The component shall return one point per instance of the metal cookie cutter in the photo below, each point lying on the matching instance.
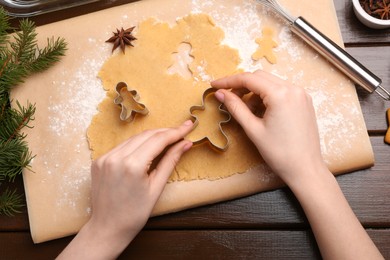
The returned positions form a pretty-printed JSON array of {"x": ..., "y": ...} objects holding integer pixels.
[
  {"x": 211, "y": 91},
  {"x": 128, "y": 112}
]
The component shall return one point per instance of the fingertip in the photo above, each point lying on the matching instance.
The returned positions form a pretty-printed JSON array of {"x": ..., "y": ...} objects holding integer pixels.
[
  {"x": 186, "y": 127},
  {"x": 188, "y": 123},
  {"x": 187, "y": 146},
  {"x": 220, "y": 96}
]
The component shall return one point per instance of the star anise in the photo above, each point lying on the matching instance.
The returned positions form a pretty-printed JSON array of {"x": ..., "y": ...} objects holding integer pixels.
[
  {"x": 122, "y": 38},
  {"x": 377, "y": 8},
  {"x": 383, "y": 10}
]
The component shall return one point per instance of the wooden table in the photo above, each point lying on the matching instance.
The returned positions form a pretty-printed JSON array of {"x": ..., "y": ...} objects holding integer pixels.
[{"x": 270, "y": 225}]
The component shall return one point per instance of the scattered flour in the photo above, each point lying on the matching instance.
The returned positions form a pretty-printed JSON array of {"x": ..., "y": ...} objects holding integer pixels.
[
  {"x": 86, "y": 92},
  {"x": 201, "y": 70},
  {"x": 69, "y": 118},
  {"x": 245, "y": 25},
  {"x": 83, "y": 93},
  {"x": 240, "y": 29},
  {"x": 289, "y": 44}
]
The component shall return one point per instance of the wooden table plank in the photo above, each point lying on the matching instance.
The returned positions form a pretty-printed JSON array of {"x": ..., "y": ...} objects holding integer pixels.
[
  {"x": 221, "y": 244},
  {"x": 367, "y": 191},
  {"x": 19, "y": 245},
  {"x": 374, "y": 107},
  {"x": 195, "y": 244},
  {"x": 269, "y": 225}
]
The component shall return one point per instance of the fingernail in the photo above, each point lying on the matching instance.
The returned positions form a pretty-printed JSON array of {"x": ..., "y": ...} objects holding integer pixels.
[
  {"x": 187, "y": 146},
  {"x": 188, "y": 123},
  {"x": 220, "y": 96}
]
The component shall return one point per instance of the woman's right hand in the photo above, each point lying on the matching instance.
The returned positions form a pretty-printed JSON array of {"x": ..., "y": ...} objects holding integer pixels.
[{"x": 287, "y": 134}]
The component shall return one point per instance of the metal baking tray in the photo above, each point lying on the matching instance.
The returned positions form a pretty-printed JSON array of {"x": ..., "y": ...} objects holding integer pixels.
[{"x": 28, "y": 8}]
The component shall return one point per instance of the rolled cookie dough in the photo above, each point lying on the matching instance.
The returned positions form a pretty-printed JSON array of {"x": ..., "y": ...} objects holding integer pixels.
[{"x": 169, "y": 96}]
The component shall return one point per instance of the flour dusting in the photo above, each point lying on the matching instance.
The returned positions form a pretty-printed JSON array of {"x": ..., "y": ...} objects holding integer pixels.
[
  {"x": 242, "y": 24},
  {"x": 296, "y": 63},
  {"x": 240, "y": 29},
  {"x": 70, "y": 113}
]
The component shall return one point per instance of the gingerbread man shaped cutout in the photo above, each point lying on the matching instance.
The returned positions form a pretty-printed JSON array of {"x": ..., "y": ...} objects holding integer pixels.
[{"x": 266, "y": 45}]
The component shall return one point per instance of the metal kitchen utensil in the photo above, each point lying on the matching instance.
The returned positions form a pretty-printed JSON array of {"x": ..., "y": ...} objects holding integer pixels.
[
  {"x": 331, "y": 51},
  {"x": 211, "y": 91},
  {"x": 28, "y": 8},
  {"x": 128, "y": 114}
]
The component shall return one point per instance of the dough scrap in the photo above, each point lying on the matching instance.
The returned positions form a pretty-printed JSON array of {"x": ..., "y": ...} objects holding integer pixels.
[
  {"x": 266, "y": 45},
  {"x": 170, "y": 96}
]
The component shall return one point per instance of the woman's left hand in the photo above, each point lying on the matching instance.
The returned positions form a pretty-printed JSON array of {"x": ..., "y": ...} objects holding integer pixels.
[{"x": 125, "y": 189}]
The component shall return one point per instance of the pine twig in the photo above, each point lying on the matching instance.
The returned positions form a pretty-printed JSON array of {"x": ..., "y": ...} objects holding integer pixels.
[
  {"x": 24, "y": 47},
  {"x": 14, "y": 156},
  {"x": 15, "y": 120},
  {"x": 10, "y": 203},
  {"x": 19, "y": 58},
  {"x": 11, "y": 75},
  {"x": 14, "y": 153},
  {"x": 4, "y": 28},
  {"x": 47, "y": 56},
  {"x": 25, "y": 58},
  {"x": 4, "y": 105}
]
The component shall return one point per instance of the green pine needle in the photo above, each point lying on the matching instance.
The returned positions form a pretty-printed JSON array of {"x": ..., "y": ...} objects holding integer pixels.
[
  {"x": 4, "y": 28},
  {"x": 23, "y": 57},
  {"x": 14, "y": 120},
  {"x": 14, "y": 156},
  {"x": 24, "y": 47},
  {"x": 48, "y": 55},
  {"x": 20, "y": 57},
  {"x": 10, "y": 203}
]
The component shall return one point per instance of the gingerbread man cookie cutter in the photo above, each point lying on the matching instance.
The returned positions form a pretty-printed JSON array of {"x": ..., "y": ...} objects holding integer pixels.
[
  {"x": 127, "y": 114},
  {"x": 206, "y": 139}
]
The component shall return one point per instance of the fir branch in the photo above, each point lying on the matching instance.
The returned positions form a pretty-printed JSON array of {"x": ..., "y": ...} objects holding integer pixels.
[
  {"x": 4, "y": 105},
  {"x": 15, "y": 120},
  {"x": 24, "y": 47},
  {"x": 47, "y": 56},
  {"x": 25, "y": 58},
  {"x": 4, "y": 61},
  {"x": 12, "y": 75},
  {"x": 14, "y": 153},
  {"x": 14, "y": 156},
  {"x": 10, "y": 203},
  {"x": 4, "y": 28},
  {"x": 19, "y": 58}
]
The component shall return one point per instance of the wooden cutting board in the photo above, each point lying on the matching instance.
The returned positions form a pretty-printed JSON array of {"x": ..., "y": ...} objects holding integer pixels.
[{"x": 67, "y": 95}]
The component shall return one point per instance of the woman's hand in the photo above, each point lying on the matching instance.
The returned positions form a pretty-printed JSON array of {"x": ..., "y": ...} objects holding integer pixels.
[
  {"x": 125, "y": 189},
  {"x": 286, "y": 135},
  {"x": 287, "y": 138}
]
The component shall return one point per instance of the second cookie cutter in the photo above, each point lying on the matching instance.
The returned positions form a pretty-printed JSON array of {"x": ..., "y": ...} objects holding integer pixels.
[
  {"x": 127, "y": 115},
  {"x": 222, "y": 148}
]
